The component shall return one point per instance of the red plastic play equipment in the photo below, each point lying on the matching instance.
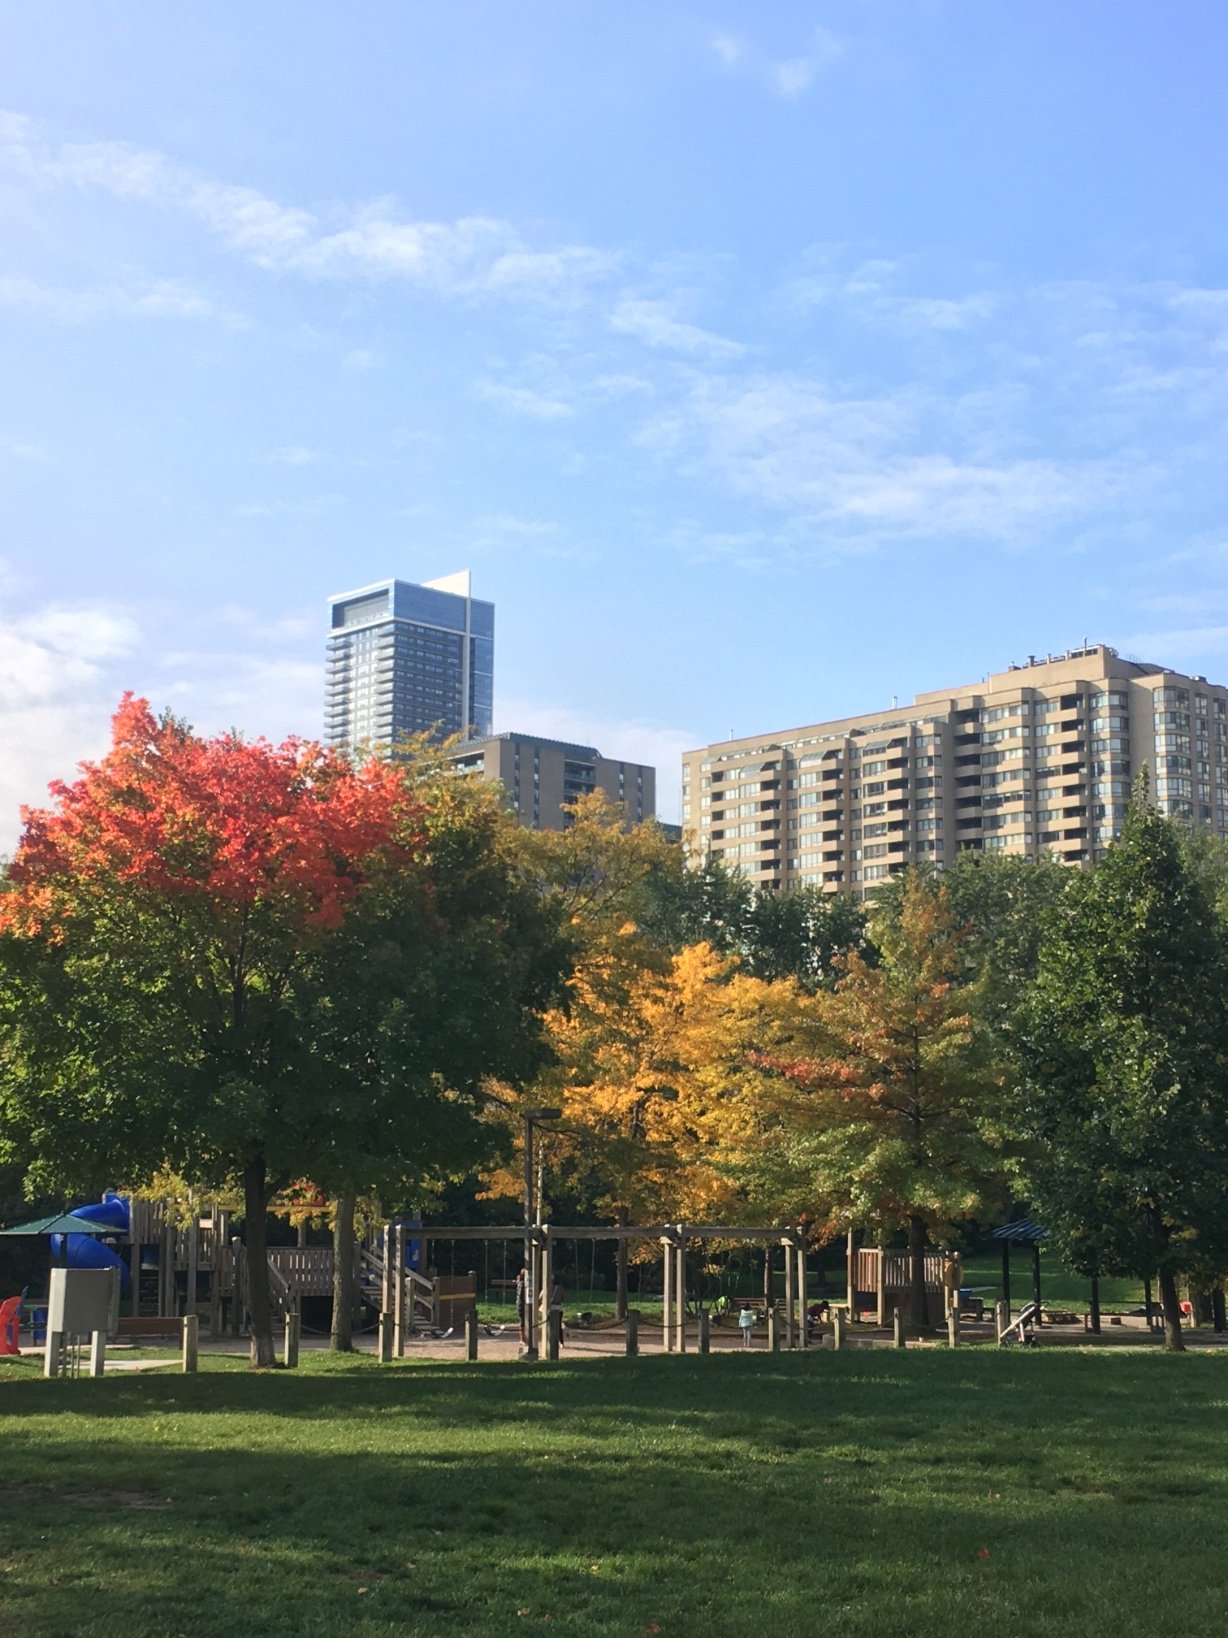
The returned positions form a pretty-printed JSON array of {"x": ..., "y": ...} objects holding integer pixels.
[{"x": 10, "y": 1319}]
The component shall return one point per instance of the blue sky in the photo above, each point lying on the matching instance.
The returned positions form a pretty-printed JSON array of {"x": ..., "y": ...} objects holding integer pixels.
[{"x": 762, "y": 362}]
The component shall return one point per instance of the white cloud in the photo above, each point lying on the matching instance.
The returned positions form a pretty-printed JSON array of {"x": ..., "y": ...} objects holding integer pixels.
[
  {"x": 535, "y": 406},
  {"x": 360, "y": 358},
  {"x": 727, "y": 48},
  {"x": 157, "y": 299},
  {"x": 652, "y": 323},
  {"x": 293, "y": 455},
  {"x": 788, "y": 77},
  {"x": 866, "y": 470},
  {"x": 18, "y": 450},
  {"x": 472, "y": 255},
  {"x": 55, "y": 700}
]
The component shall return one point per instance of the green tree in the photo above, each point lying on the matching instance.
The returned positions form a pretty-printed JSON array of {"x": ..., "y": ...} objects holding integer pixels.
[
  {"x": 799, "y": 934},
  {"x": 1122, "y": 1066},
  {"x": 999, "y": 903}
]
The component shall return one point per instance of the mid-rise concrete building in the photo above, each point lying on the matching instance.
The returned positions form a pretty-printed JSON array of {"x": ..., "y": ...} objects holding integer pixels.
[
  {"x": 408, "y": 659},
  {"x": 540, "y": 776},
  {"x": 1036, "y": 759}
]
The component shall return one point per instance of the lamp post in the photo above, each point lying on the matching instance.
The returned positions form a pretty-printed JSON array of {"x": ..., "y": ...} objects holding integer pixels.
[{"x": 532, "y": 1117}]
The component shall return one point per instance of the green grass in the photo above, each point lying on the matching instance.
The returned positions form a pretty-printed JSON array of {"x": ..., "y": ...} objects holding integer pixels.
[{"x": 867, "y": 1493}]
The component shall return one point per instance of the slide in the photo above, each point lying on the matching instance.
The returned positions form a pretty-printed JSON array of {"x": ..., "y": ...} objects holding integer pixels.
[{"x": 84, "y": 1251}]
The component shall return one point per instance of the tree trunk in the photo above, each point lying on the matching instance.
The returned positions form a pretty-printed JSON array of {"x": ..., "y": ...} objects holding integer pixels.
[
  {"x": 255, "y": 1204},
  {"x": 768, "y": 1289},
  {"x": 620, "y": 1282},
  {"x": 1094, "y": 1308},
  {"x": 1218, "y": 1318},
  {"x": 1172, "y": 1312},
  {"x": 341, "y": 1337},
  {"x": 918, "y": 1301}
]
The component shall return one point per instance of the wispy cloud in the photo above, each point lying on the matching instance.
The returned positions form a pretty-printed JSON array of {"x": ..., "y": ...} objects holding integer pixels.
[
  {"x": 293, "y": 455},
  {"x": 360, "y": 358},
  {"x": 728, "y": 49},
  {"x": 472, "y": 255},
  {"x": 152, "y": 299},
  {"x": 524, "y": 401},
  {"x": 18, "y": 450},
  {"x": 652, "y": 323},
  {"x": 787, "y": 77},
  {"x": 866, "y": 470}
]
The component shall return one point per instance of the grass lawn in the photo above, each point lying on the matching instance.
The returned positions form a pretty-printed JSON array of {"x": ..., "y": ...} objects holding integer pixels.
[{"x": 865, "y": 1493}]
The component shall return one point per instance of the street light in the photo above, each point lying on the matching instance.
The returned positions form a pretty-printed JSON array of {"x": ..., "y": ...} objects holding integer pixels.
[{"x": 532, "y": 1118}]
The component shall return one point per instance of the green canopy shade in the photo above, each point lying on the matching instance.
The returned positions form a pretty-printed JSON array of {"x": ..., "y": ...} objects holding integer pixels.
[{"x": 64, "y": 1223}]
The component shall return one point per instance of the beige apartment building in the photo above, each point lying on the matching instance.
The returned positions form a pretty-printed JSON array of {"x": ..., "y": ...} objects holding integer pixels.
[
  {"x": 541, "y": 775},
  {"x": 1036, "y": 759}
]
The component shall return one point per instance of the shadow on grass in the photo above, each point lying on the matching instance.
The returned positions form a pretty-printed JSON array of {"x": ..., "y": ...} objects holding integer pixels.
[{"x": 882, "y": 1494}]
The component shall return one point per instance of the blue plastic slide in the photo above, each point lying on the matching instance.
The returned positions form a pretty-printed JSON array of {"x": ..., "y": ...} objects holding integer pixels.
[{"x": 84, "y": 1251}]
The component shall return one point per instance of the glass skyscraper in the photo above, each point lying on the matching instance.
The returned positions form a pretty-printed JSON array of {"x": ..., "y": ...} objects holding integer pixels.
[{"x": 408, "y": 659}]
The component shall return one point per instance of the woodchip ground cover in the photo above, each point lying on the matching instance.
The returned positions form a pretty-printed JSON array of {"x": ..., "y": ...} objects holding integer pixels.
[{"x": 866, "y": 1493}]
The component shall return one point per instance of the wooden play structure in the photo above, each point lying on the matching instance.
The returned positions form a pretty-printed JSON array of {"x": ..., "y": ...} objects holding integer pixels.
[{"x": 880, "y": 1282}]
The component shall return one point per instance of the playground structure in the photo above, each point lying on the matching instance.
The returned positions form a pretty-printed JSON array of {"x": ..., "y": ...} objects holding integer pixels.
[
  {"x": 171, "y": 1262},
  {"x": 882, "y": 1281}
]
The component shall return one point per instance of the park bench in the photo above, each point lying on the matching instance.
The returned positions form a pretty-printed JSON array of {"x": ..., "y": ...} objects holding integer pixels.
[{"x": 133, "y": 1325}]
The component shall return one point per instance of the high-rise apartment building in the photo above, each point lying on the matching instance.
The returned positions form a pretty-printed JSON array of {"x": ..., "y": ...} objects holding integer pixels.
[
  {"x": 541, "y": 775},
  {"x": 1037, "y": 759},
  {"x": 408, "y": 659}
]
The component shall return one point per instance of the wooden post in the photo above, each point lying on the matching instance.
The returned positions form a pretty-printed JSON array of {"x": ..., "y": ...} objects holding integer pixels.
[
  {"x": 633, "y": 1332},
  {"x": 536, "y": 1329},
  {"x": 773, "y": 1329},
  {"x": 953, "y": 1326},
  {"x": 837, "y": 1327},
  {"x": 471, "y": 1334},
  {"x": 396, "y": 1242},
  {"x": 705, "y": 1332},
  {"x": 1147, "y": 1304},
  {"x": 1006, "y": 1277},
  {"x": 1002, "y": 1316},
  {"x": 193, "y": 1258},
  {"x": 1036, "y": 1273},
  {"x": 897, "y": 1329},
  {"x": 667, "y": 1297},
  {"x": 189, "y": 1342},
  {"x": 680, "y": 1291},
  {"x": 293, "y": 1325},
  {"x": 1094, "y": 1306},
  {"x": 549, "y": 1341},
  {"x": 790, "y": 1298},
  {"x": 851, "y": 1259},
  {"x": 98, "y": 1352},
  {"x": 803, "y": 1306}
]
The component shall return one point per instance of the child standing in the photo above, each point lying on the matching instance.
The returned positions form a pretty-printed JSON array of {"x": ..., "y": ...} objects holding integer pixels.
[{"x": 746, "y": 1320}]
